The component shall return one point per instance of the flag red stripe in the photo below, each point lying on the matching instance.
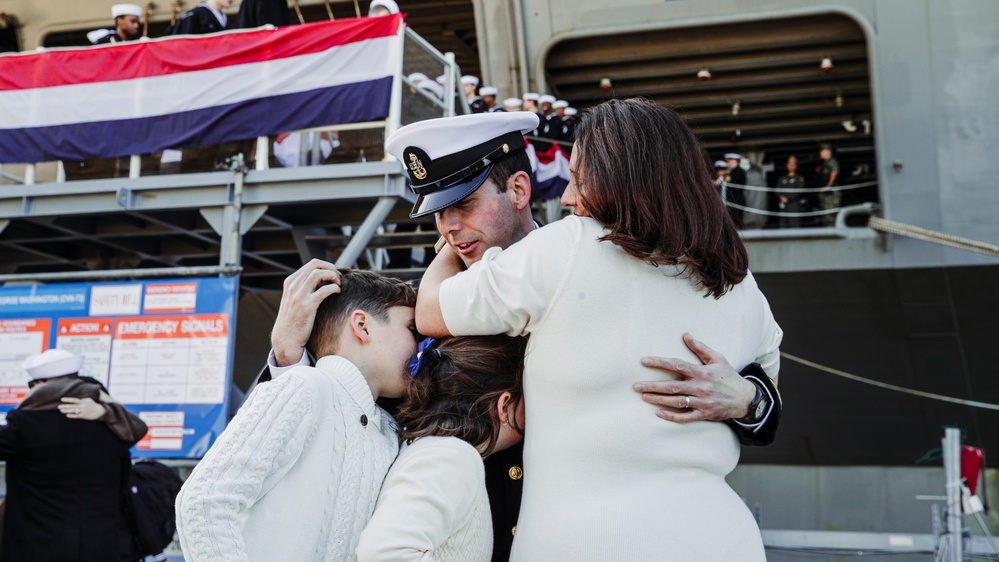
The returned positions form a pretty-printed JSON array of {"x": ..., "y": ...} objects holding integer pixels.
[{"x": 141, "y": 59}]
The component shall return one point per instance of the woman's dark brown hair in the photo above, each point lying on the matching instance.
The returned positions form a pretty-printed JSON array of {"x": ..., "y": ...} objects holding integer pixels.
[
  {"x": 641, "y": 174},
  {"x": 455, "y": 393}
]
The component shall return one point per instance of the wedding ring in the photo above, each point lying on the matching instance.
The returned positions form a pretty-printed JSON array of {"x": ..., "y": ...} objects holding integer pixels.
[
  {"x": 686, "y": 402},
  {"x": 77, "y": 410}
]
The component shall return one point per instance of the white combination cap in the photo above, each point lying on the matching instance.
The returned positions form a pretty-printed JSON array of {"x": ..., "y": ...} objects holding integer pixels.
[
  {"x": 53, "y": 363},
  {"x": 389, "y": 5},
  {"x": 533, "y": 96},
  {"x": 720, "y": 164},
  {"x": 469, "y": 79},
  {"x": 447, "y": 159},
  {"x": 733, "y": 156},
  {"x": 126, "y": 10},
  {"x": 512, "y": 102},
  {"x": 560, "y": 103},
  {"x": 488, "y": 91}
]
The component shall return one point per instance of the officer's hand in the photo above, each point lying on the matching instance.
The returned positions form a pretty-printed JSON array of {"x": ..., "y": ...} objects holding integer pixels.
[
  {"x": 303, "y": 291},
  {"x": 81, "y": 409},
  {"x": 712, "y": 391}
]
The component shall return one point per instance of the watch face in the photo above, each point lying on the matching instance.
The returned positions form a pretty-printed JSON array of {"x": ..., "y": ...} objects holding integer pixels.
[{"x": 760, "y": 409}]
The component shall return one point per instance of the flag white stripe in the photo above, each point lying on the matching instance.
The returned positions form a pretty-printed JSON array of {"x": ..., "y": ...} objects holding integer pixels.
[{"x": 163, "y": 95}]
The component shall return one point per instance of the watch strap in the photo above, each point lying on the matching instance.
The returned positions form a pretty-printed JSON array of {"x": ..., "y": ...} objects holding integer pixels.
[{"x": 765, "y": 432}]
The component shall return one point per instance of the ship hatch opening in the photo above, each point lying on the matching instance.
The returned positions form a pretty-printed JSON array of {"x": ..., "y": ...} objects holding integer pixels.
[{"x": 768, "y": 96}]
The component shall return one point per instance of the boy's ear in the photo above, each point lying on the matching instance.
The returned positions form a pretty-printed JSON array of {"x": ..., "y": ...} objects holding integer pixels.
[
  {"x": 359, "y": 324},
  {"x": 501, "y": 405}
]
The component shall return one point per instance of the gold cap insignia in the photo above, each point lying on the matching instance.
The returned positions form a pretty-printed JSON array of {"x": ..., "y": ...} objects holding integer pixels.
[{"x": 419, "y": 172}]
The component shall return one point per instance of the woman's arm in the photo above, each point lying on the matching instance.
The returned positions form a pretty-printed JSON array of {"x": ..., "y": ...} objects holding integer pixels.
[
  {"x": 429, "y": 319},
  {"x": 505, "y": 292}
]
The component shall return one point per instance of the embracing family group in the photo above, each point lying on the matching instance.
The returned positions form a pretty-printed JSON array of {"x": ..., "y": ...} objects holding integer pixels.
[{"x": 568, "y": 343}]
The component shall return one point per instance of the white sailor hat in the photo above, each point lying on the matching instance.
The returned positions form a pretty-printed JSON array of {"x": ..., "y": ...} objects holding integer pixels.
[
  {"x": 432, "y": 86},
  {"x": 733, "y": 156},
  {"x": 126, "y": 10},
  {"x": 98, "y": 34},
  {"x": 417, "y": 77},
  {"x": 53, "y": 363},
  {"x": 560, "y": 103},
  {"x": 469, "y": 79},
  {"x": 547, "y": 99},
  {"x": 570, "y": 111},
  {"x": 447, "y": 159},
  {"x": 720, "y": 164},
  {"x": 533, "y": 96},
  {"x": 389, "y": 5},
  {"x": 441, "y": 79},
  {"x": 488, "y": 91},
  {"x": 513, "y": 102}
]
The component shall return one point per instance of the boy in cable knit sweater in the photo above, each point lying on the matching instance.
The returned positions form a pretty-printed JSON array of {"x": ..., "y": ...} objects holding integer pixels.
[{"x": 296, "y": 474}]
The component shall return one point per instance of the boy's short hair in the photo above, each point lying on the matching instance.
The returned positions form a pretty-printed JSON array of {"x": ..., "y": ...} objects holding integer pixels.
[{"x": 359, "y": 290}]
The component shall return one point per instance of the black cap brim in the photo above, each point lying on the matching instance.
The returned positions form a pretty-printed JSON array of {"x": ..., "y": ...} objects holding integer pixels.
[{"x": 440, "y": 200}]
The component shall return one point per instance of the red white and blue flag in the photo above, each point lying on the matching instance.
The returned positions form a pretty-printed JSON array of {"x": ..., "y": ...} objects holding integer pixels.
[
  {"x": 145, "y": 96},
  {"x": 551, "y": 171}
]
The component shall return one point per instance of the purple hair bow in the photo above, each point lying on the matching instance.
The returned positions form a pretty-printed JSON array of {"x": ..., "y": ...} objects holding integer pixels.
[{"x": 426, "y": 354}]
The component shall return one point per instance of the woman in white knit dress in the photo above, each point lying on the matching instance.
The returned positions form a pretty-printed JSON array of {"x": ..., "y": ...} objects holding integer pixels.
[
  {"x": 650, "y": 254},
  {"x": 464, "y": 404}
]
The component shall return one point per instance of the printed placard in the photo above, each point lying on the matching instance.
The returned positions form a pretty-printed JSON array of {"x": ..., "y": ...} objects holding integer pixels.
[
  {"x": 166, "y": 431},
  {"x": 109, "y": 300},
  {"x": 20, "y": 338},
  {"x": 90, "y": 337},
  {"x": 170, "y": 359},
  {"x": 171, "y": 297}
]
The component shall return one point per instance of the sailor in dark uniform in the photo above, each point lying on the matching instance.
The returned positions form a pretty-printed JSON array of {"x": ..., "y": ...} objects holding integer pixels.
[
  {"x": 513, "y": 104},
  {"x": 531, "y": 101},
  {"x": 475, "y": 103},
  {"x": 255, "y": 13},
  {"x": 206, "y": 17},
  {"x": 735, "y": 195},
  {"x": 126, "y": 23},
  {"x": 569, "y": 120},
  {"x": 488, "y": 94},
  {"x": 550, "y": 126}
]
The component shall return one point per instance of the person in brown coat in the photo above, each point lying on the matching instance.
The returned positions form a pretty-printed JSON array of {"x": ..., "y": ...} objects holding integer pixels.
[{"x": 65, "y": 477}]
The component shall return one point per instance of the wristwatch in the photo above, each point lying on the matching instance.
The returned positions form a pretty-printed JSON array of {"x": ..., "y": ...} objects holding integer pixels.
[{"x": 758, "y": 407}]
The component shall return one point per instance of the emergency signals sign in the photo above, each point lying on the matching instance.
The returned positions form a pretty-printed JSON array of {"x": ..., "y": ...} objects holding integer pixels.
[{"x": 162, "y": 348}]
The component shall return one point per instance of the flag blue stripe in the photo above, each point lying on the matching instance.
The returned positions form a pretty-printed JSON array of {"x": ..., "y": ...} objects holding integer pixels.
[{"x": 348, "y": 103}]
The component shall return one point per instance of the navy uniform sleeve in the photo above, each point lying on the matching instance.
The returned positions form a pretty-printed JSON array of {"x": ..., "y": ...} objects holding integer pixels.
[
  {"x": 765, "y": 432},
  {"x": 8, "y": 438}
]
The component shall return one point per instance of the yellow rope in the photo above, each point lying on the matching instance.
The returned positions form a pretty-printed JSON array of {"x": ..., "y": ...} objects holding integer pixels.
[{"x": 920, "y": 393}]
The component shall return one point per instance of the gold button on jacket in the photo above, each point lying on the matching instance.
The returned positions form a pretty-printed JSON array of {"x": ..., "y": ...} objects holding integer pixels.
[{"x": 516, "y": 473}]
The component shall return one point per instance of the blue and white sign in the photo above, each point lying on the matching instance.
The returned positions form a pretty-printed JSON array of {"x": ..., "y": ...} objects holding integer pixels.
[{"x": 163, "y": 348}]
